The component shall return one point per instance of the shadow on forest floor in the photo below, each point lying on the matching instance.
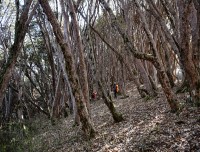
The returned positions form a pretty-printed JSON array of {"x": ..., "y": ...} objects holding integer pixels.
[{"x": 148, "y": 126}]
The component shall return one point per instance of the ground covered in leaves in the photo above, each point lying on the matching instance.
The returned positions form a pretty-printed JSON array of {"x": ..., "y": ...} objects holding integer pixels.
[{"x": 148, "y": 126}]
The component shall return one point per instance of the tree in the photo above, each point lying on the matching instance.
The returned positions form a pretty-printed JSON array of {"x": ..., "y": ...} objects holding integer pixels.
[
  {"x": 21, "y": 25},
  {"x": 70, "y": 68},
  {"x": 156, "y": 62},
  {"x": 83, "y": 77}
]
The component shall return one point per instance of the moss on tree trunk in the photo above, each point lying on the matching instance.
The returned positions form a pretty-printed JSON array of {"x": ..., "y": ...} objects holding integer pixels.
[{"x": 116, "y": 115}]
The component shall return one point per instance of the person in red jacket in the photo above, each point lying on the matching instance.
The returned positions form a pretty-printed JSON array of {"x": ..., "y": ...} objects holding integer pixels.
[{"x": 94, "y": 95}]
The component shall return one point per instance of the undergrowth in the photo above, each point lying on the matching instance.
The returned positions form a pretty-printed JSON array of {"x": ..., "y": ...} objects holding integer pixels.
[{"x": 17, "y": 137}]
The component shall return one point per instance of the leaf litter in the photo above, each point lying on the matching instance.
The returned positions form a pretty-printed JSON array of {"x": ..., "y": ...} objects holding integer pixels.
[{"x": 149, "y": 126}]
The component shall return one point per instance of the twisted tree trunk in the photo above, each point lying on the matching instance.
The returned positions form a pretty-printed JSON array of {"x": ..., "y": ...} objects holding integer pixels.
[
  {"x": 116, "y": 115},
  {"x": 21, "y": 26},
  {"x": 156, "y": 62},
  {"x": 87, "y": 125}
]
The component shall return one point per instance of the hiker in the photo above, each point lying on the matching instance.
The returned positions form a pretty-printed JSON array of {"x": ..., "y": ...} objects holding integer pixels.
[
  {"x": 116, "y": 90},
  {"x": 94, "y": 95}
]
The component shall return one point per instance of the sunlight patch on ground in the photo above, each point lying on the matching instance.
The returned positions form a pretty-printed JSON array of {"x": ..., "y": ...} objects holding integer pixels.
[
  {"x": 127, "y": 134},
  {"x": 100, "y": 126},
  {"x": 99, "y": 107}
]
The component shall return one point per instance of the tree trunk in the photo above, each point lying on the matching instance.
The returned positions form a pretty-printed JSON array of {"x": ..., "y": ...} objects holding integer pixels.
[
  {"x": 161, "y": 73},
  {"x": 162, "y": 76},
  {"x": 57, "y": 98},
  {"x": 72, "y": 103},
  {"x": 187, "y": 55},
  {"x": 196, "y": 35},
  {"x": 132, "y": 71},
  {"x": 20, "y": 32},
  {"x": 87, "y": 125},
  {"x": 83, "y": 77},
  {"x": 116, "y": 116},
  {"x": 146, "y": 81}
]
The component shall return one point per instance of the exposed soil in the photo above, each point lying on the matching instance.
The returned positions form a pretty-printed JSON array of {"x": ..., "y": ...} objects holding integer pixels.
[{"x": 148, "y": 126}]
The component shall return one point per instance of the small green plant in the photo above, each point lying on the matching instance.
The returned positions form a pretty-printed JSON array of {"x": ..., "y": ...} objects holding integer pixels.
[{"x": 16, "y": 137}]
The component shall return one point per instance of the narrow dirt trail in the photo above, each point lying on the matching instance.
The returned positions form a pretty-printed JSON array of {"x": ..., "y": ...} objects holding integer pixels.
[{"x": 148, "y": 126}]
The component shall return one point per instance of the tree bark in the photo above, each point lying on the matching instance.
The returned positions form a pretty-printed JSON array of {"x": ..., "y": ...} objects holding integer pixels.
[
  {"x": 116, "y": 116},
  {"x": 72, "y": 103},
  {"x": 20, "y": 32},
  {"x": 132, "y": 71},
  {"x": 83, "y": 77},
  {"x": 162, "y": 76},
  {"x": 56, "y": 103},
  {"x": 87, "y": 125},
  {"x": 187, "y": 55},
  {"x": 161, "y": 73}
]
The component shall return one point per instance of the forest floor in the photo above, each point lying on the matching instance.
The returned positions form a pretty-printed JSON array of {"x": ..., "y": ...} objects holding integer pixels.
[{"x": 148, "y": 126}]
